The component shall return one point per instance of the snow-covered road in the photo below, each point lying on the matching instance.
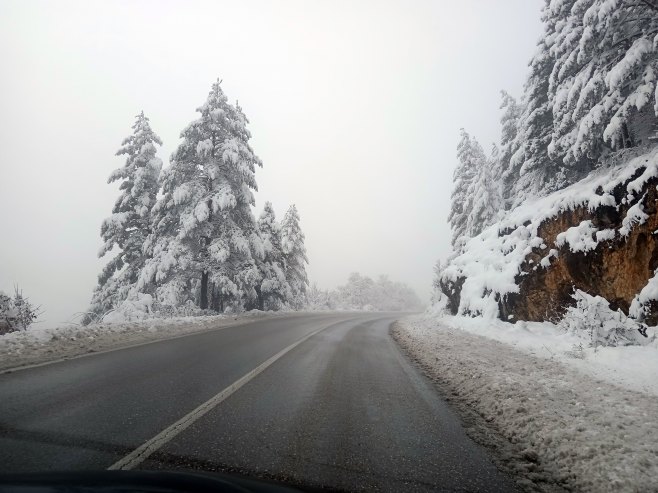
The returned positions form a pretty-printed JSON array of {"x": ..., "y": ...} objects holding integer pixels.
[{"x": 550, "y": 421}]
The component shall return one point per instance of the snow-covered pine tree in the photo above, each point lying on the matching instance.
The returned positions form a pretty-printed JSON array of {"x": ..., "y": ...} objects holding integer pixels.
[
  {"x": 591, "y": 89},
  {"x": 486, "y": 196},
  {"x": 272, "y": 289},
  {"x": 509, "y": 126},
  {"x": 436, "y": 280},
  {"x": 531, "y": 171},
  {"x": 294, "y": 252},
  {"x": 603, "y": 83},
  {"x": 471, "y": 159},
  {"x": 129, "y": 225},
  {"x": 205, "y": 239}
]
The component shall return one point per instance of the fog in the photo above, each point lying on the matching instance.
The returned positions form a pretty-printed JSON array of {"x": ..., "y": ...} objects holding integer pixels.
[{"x": 355, "y": 110}]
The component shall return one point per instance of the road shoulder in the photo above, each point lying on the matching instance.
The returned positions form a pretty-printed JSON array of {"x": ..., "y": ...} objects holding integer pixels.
[{"x": 546, "y": 423}]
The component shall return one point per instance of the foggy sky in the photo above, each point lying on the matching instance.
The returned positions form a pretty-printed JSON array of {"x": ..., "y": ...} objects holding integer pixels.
[{"x": 355, "y": 110}]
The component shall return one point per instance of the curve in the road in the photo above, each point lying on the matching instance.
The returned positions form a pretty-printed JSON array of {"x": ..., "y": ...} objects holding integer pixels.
[{"x": 339, "y": 407}]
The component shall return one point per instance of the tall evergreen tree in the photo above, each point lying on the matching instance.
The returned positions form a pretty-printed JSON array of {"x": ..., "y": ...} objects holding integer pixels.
[
  {"x": 294, "y": 251},
  {"x": 485, "y": 196},
  {"x": 603, "y": 83},
  {"x": 531, "y": 170},
  {"x": 591, "y": 90},
  {"x": 128, "y": 227},
  {"x": 471, "y": 159},
  {"x": 205, "y": 240},
  {"x": 509, "y": 126},
  {"x": 272, "y": 289}
]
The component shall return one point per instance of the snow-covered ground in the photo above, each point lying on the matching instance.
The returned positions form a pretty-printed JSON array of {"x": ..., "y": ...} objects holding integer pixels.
[
  {"x": 583, "y": 419},
  {"x": 38, "y": 345}
]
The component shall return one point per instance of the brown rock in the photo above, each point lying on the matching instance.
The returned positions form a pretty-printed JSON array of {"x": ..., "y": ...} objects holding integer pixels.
[{"x": 616, "y": 270}]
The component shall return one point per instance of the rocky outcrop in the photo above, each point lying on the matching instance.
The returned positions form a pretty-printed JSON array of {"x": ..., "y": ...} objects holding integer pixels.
[{"x": 616, "y": 269}]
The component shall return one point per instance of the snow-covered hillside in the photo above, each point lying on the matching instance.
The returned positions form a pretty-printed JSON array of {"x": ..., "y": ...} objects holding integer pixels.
[
  {"x": 585, "y": 221},
  {"x": 565, "y": 205}
]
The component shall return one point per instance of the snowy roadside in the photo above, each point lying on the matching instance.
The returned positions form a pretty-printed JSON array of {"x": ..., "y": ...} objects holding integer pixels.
[
  {"x": 37, "y": 345},
  {"x": 558, "y": 417}
]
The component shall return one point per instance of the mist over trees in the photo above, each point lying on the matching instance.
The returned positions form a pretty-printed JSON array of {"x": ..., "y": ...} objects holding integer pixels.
[
  {"x": 589, "y": 98},
  {"x": 363, "y": 293},
  {"x": 185, "y": 239}
]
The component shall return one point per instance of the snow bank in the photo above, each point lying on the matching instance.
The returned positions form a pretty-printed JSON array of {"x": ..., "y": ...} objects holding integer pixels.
[
  {"x": 38, "y": 345},
  {"x": 490, "y": 262},
  {"x": 578, "y": 417}
]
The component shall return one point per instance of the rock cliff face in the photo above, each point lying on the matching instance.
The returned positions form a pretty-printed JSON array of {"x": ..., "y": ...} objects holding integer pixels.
[{"x": 616, "y": 269}]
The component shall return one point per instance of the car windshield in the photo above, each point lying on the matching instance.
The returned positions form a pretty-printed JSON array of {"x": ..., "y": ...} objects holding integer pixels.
[{"x": 399, "y": 245}]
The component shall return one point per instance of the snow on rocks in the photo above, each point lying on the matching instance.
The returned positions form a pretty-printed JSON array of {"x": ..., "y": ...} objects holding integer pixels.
[
  {"x": 644, "y": 298},
  {"x": 579, "y": 238},
  {"x": 37, "y": 345},
  {"x": 582, "y": 419},
  {"x": 490, "y": 262}
]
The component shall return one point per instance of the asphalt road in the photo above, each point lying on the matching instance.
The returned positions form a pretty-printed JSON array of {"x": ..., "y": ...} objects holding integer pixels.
[{"x": 343, "y": 409}]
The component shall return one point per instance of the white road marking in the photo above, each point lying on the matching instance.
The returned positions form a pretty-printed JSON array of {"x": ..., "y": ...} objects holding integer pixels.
[{"x": 141, "y": 453}]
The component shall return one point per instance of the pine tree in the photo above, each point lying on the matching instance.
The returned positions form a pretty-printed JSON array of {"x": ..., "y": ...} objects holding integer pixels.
[
  {"x": 436, "y": 280},
  {"x": 603, "y": 83},
  {"x": 272, "y": 289},
  {"x": 509, "y": 123},
  {"x": 471, "y": 159},
  {"x": 591, "y": 90},
  {"x": 205, "y": 240},
  {"x": 129, "y": 225},
  {"x": 485, "y": 196},
  {"x": 531, "y": 170},
  {"x": 294, "y": 251}
]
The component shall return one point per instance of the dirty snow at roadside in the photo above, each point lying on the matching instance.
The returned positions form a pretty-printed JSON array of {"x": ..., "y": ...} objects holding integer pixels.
[
  {"x": 38, "y": 345},
  {"x": 586, "y": 419}
]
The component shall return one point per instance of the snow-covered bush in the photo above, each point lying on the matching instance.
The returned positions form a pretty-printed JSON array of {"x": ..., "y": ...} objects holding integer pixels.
[
  {"x": 594, "y": 321},
  {"x": 645, "y": 300},
  {"x": 16, "y": 313},
  {"x": 439, "y": 306},
  {"x": 136, "y": 307},
  {"x": 187, "y": 309}
]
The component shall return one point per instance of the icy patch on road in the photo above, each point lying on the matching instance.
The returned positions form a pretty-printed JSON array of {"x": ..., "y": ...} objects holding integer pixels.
[
  {"x": 38, "y": 345},
  {"x": 573, "y": 415}
]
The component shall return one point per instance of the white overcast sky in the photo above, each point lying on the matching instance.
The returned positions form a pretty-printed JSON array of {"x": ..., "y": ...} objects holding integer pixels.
[{"x": 355, "y": 110}]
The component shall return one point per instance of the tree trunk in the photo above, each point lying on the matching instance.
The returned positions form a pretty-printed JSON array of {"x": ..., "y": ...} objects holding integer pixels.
[
  {"x": 214, "y": 297},
  {"x": 261, "y": 300},
  {"x": 626, "y": 136},
  {"x": 203, "y": 302}
]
